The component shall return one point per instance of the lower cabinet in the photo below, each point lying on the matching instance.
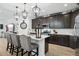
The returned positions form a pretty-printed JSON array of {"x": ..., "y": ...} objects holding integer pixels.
[
  {"x": 63, "y": 40},
  {"x": 60, "y": 40},
  {"x": 74, "y": 42},
  {"x": 46, "y": 44}
]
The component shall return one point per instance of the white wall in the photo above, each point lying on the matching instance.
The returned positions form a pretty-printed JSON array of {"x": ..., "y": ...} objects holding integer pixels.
[
  {"x": 25, "y": 31},
  {"x": 2, "y": 22},
  {"x": 22, "y": 31}
]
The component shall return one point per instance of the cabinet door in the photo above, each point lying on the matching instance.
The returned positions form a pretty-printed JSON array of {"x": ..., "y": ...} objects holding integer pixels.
[
  {"x": 61, "y": 40},
  {"x": 77, "y": 42},
  {"x": 34, "y": 23},
  {"x": 55, "y": 39},
  {"x": 73, "y": 41},
  {"x": 66, "y": 41},
  {"x": 46, "y": 44},
  {"x": 67, "y": 21}
]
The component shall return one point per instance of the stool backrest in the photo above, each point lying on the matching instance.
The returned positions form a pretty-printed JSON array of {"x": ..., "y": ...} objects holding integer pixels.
[
  {"x": 8, "y": 36},
  {"x": 15, "y": 40},
  {"x": 25, "y": 42}
]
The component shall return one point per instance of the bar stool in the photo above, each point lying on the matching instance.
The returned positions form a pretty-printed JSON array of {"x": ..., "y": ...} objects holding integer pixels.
[
  {"x": 27, "y": 46},
  {"x": 15, "y": 44},
  {"x": 9, "y": 41}
]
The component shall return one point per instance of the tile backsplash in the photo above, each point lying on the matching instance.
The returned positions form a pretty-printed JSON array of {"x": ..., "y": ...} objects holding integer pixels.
[{"x": 59, "y": 31}]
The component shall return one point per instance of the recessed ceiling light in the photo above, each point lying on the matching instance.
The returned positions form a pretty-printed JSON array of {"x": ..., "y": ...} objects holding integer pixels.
[
  {"x": 64, "y": 12},
  {"x": 66, "y": 5}
]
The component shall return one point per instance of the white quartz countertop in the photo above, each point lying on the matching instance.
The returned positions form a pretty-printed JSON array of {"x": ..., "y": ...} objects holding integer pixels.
[
  {"x": 62, "y": 34},
  {"x": 34, "y": 36},
  {"x": 42, "y": 37}
]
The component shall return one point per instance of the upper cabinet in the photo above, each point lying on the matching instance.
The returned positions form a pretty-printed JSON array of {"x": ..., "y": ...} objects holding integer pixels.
[
  {"x": 58, "y": 21},
  {"x": 67, "y": 21}
]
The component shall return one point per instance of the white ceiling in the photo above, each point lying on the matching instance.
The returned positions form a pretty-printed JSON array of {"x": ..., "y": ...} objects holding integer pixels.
[{"x": 7, "y": 10}]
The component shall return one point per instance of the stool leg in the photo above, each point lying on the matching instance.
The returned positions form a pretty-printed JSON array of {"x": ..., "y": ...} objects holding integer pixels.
[
  {"x": 12, "y": 49},
  {"x": 37, "y": 51},
  {"x": 7, "y": 46},
  {"x": 17, "y": 51},
  {"x": 22, "y": 52}
]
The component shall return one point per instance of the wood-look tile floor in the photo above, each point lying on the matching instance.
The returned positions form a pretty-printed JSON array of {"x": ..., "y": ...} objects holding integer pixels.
[
  {"x": 3, "y": 44},
  {"x": 54, "y": 50}
]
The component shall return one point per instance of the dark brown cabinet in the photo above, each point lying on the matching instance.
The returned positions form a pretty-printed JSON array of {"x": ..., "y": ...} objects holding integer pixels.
[
  {"x": 74, "y": 42},
  {"x": 67, "y": 21},
  {"x": 57, "y": 21},
  {"x": 59, "y": 40},
  {"x": 46, "y": 44},
  {"x": 64, "y": 40}
]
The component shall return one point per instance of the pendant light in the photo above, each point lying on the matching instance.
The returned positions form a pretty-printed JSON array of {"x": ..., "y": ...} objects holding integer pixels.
[
  {"x": 36, "y": 10},
  {"x": 24, "y": 12}
]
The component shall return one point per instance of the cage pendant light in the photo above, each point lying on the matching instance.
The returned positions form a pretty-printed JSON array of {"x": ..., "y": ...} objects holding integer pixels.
[
  {"x": 24, "y": 12},
  {"x": 36, "y": 10}
]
